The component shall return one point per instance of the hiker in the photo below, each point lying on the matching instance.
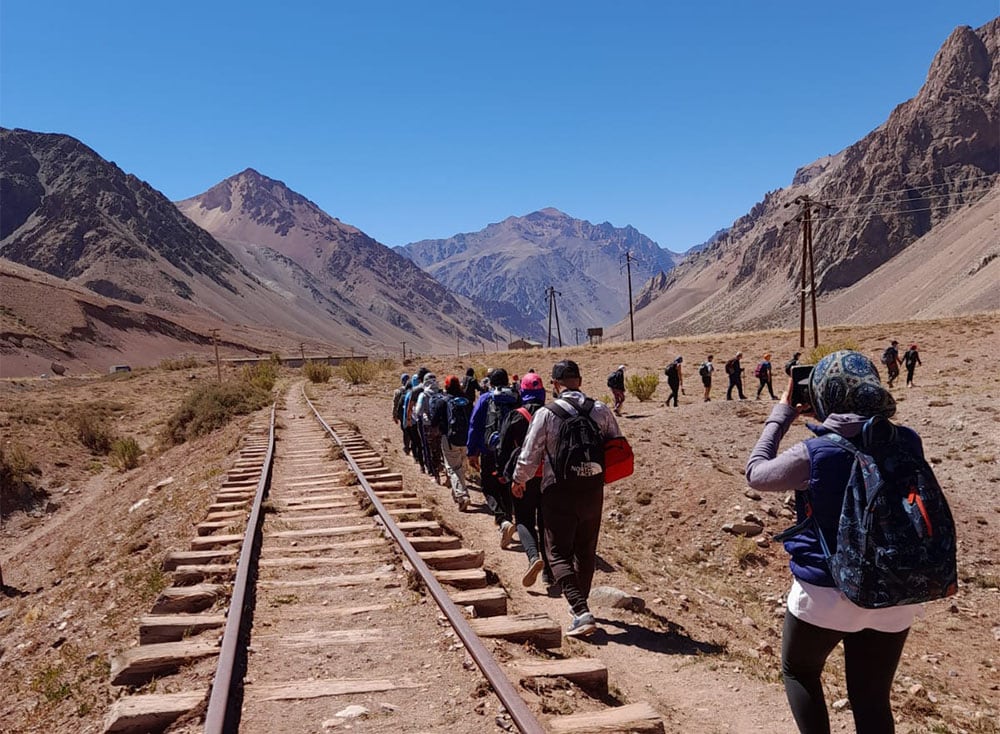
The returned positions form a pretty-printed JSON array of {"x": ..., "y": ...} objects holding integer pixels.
[
  {"x": 911, "y": 359},
  {"x": 527, "y": 507},
  {"x": 409, "y": 416},
  {"x": 763, "y": 373},
  {"x": 471, "y": 386},
  {"x": 484, "y": 434},
  {"x": 431, "y": 435},
  {"x": 891, "y": 360},
  {"x": 845, "y": 392},
  {"x": 571, "y": 504},
  {"x": 451, "y": 417},
  {"x": 616, "y": 381},
  {"x": 791, "y": 363},
  {"x": 735, "y": 371},
  {"x": 705, "y": 371},
  {"x": 397, "y": 410},
  {"x": 675, "y": 379}
]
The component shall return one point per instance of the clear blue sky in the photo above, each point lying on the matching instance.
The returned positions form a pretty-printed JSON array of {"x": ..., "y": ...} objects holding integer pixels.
[{"x": 421, "y": 120}]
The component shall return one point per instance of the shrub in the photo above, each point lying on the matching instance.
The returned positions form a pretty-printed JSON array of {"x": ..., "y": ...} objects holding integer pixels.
[
  {"x": 358, "y": 371},
  {"x": 642, "y": 386},
  {"x": 15, "y": 465},
  {"x": 317, "y": 371},
  {"x": 92, "y": 431},
  {"x": 182, "y": 363},
  {"x": 212, "y": 406},
  {"x": 824, "y": 349},
  {"x": 125, "y": 453},
  {"x": 262, "y": 375}
]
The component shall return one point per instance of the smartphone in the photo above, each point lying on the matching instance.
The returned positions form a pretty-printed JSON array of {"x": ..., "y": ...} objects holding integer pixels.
[{"x": 801, "y": 373}]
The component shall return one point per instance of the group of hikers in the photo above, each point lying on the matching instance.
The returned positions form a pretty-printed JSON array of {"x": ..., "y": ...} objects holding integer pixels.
[
  {"x": 541, "y": 465},
  {"x": 520, "y": 444}
]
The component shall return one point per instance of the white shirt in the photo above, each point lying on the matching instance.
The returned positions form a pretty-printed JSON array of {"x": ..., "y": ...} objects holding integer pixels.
[{"x": 827, "y": 607}]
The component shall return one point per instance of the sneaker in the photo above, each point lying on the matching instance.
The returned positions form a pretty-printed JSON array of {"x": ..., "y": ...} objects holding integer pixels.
[
  {"x": 583, "y": 625},
  {"x": 534, "y": 569},
  {"x": 507, "y": 533},
  {"x": 463, "y": 504}
]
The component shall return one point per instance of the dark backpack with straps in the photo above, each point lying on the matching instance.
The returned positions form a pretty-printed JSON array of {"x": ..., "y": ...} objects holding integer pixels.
[
  {"x": 502, "y": 401},
  {"x": 896, "y": 536},
  {"x": 579, "y": 456},
  {"x": 459, "y": 411}
]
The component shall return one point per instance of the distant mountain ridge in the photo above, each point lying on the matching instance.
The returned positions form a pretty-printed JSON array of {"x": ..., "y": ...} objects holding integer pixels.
[
  {"x": 935, "y": 158},
  {"x": 300, "y": 249},
  {"x": 507, "y": 267}
]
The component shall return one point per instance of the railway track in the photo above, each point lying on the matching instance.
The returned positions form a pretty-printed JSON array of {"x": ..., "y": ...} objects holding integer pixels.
[{"x": 366, "y": 613}]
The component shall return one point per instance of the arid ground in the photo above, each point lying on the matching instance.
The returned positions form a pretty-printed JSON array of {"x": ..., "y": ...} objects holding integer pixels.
[{"x": 82, "y": 562}]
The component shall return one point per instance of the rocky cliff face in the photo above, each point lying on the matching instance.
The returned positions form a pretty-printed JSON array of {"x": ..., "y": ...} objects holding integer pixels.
[
  {"x": 358, "y": 280},
  {"x": 936, "y": 156},
  {"x": 507, "y": 268},
  {"x": 70, "y": 213}
]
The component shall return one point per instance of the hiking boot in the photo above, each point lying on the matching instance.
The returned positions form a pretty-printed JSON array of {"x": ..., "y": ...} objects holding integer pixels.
[
  {"x": 534, "y": 568},
  {"x": 507, "y": 533},
  {"x": 583, "y": 625}
]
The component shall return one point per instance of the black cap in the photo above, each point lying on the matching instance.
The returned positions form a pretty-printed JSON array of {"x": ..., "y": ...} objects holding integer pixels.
[
  {"x": 567, "y": 369},
  {"x": 499, "y": 378}
]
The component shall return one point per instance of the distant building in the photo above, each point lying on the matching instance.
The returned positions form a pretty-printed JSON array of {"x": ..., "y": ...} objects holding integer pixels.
[
  {"x": 524, "y": 344},
  {"x": 119, "y": 368}
]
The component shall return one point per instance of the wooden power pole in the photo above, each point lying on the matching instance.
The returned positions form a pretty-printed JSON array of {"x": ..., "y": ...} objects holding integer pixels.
[
  {"x": 807, "y": 205},
  {"x": 215, "y": 343},
  {"x": 553, "y": 309},
  {"x": 628, "y": 268}
]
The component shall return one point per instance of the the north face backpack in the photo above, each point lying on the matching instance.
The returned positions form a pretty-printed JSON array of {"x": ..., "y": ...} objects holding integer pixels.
[
  {"x": 459, "y": 410},
  {"x": 502, "y": 401},
  {"x": 579, "y": 456},
  {"x": 896, "y": 537}
]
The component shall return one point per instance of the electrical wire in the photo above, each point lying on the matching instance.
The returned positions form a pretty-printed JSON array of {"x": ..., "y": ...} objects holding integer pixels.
[{"x": 910, "y": 189}]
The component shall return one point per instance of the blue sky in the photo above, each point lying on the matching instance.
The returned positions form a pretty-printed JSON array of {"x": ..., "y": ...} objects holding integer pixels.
[{"x": 422, "y": 120}]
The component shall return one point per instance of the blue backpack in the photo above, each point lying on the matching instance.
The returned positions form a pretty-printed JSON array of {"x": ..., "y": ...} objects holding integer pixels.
[{"x": 896, "y": 536}]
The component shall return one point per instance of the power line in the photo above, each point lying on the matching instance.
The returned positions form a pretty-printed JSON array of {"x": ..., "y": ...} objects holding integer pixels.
[
  {"x": 909, "y": 189},
  {"x": 866, "y": 215}
]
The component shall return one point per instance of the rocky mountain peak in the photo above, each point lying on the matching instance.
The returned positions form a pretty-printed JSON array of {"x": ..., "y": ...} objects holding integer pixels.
[{"x": 962, "y": 66}]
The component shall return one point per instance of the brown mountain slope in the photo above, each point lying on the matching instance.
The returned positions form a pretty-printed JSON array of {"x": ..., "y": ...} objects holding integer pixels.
[
  {"x": 935, "y": 157},
  {"x": 299, "y": 249}
]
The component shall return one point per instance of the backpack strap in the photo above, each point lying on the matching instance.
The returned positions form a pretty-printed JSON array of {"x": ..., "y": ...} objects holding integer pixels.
[{"x": 524, "y": 411}]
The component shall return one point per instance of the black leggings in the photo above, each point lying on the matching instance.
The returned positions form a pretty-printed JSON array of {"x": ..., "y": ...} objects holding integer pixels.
[{"x": 870, "y": 659}]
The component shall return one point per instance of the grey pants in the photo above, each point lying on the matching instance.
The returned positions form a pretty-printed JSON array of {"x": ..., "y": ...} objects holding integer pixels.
[{"x": 454, "y": 464}]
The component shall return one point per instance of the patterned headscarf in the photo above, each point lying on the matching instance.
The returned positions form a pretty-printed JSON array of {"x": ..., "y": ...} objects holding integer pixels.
[{"x": 848, "y": 382}]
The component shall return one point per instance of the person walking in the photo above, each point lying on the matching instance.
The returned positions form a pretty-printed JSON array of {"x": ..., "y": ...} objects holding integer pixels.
[
  {"x": 431, "y": 395},
  {"x": 891, "y": 360},
  {"x": 451, "y": 418},
  {"x": 411, "y": 422},
  {"x": 471, "y": 386},
  {"x": 910, "y": 360},
  {"x": 397, "y": 410},
  {"x": 484, "y": 431},
  {"x": 571, "y": 506},
  {"x": 735, "y": 371},
  {"x": 705, "y": 371},
  {"x": 528, "y": 507},
  {"x": 616, "y": 381},
  {"x": 845, "y": 392},
  {"x": 675, "y": 379},
  {"x": 791, "y": 363},
  {"x": 763, "y": 374}
]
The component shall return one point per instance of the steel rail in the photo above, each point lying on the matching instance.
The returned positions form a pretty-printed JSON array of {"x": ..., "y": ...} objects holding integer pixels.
[
  {"x": 220, "y": 716},
  {"x": 521, "y": 715}
]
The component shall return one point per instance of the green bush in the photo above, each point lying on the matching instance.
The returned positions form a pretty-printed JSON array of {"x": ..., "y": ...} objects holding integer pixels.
[
  {"x": 212, "y": 406},
  {"x": 317, "y": 371},
  {"x": 125, "y": 453},
  {"x": 92, "y": 431},
  {"x": 262, "y": 375},
  {"x": 358, "y": 371},
  {"x": 642, "y": 386}
]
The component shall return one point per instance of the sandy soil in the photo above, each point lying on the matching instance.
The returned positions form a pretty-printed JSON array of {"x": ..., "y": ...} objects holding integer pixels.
[{"x": 705, "y": 651}]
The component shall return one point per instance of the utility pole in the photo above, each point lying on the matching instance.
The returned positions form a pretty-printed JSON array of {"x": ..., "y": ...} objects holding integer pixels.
[
  {"x": 458, "y": 344},
  {"x": 553, "y": 309},
  {"x": 806, "y": 207},
  {"x": 302, "y": 351},
  {"x": 404, "y": 351},
  {"x": 628, "y": 267},
  {"x": 215, "y": 343},
  {"x": 576, "y": 335}
]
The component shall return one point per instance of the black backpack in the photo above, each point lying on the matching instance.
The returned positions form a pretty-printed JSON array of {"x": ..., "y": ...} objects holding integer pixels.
[
  {"x": 502, "y": 401},
  {"x": 889, "y": 356},
  {"x": 459, "y": 412},
  {"x": 704, "y": 370},
  {"x": 579, "y": 454},
  {"x": 671, "y": 370}
]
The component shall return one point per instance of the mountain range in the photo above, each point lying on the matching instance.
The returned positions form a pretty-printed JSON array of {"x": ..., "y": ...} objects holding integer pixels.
[
  {"x": 508, "y": 268},
  {"x": 94, "y": 260}
]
